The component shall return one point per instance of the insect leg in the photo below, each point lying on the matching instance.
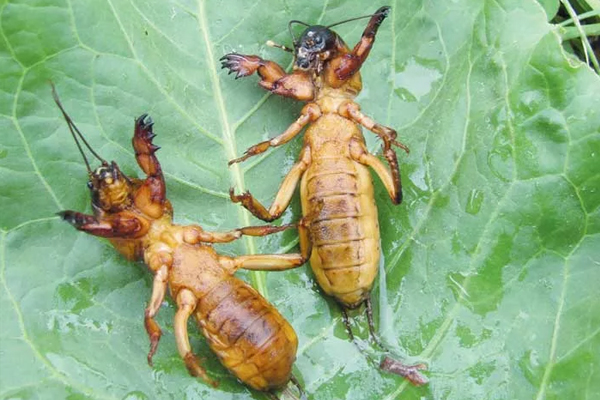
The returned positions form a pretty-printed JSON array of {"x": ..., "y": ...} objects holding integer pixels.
[
  {"x": 273, "y": 76},
  {"x": 348, "y": 64},
  {"x": 283, "y": 197},
  {"x": 194, "y": 234},
  {"x": 159, "y": 287},
  {"x": 309, "y": 113},
  {"x": 186, "y": 304},
  {"x": 263, "y": 262},
  {"x": 410, "y": 372},
  {"x": 346, "y": 321},
  {"x": 116, "y": 226},
  {"x": 374, "y": 336},
  {"x": 351, "y": 110},
  {"x": 305, "y": 237},
  {"x": 389, "y": 177},
  {"x": 272, "y": 396},
  {"x": 150, "y": 197},
  {"x": 296, "y": 382},
  {"x": 273, "y": 262}
]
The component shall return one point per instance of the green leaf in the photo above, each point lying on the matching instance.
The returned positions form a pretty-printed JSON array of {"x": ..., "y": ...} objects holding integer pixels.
[
  {"x": 551, "y": 7},
  {"x": 491, "y": 264}
]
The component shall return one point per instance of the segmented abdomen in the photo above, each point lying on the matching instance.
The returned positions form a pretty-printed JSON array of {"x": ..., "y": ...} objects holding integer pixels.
[
  {"x": 337, "y": 197},
  {"x": 248, "y": 334}
]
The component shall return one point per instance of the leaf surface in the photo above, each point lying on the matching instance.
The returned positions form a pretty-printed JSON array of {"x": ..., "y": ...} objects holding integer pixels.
[{"x": 491, "y": 264}]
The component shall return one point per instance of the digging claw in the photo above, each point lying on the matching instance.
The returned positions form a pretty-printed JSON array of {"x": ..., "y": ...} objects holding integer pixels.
[
  {"x": 145, "y": 123},
  {"x": 240, "y": 64}
]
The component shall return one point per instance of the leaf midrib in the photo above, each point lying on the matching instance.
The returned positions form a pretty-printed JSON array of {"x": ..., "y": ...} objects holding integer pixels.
[{"x": 229, "y": 143}]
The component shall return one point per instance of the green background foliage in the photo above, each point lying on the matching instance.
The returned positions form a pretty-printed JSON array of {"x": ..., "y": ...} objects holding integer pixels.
[{"x": 491, "y": 265}]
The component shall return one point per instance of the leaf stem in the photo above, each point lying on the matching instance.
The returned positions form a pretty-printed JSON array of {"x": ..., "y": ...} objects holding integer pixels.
[
  {"x": 581, "y": 17},
  {"x": 589, "y": 52},
  {"x": 572, "y": 32}
]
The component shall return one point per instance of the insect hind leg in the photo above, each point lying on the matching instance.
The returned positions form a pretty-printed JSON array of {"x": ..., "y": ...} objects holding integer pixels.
[
  {"x": 186, "y": 304},
  {"x": 158, "y": 294},
  {"x": 374, "y": 336},
  {"x": 296, "y": 383},
  {"x": 389, "y": 364},
  {"x": 346, "y": 321}
]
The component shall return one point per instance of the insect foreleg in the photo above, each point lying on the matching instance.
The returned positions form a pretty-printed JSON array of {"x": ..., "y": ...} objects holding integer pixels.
[
  {"x": 159, "y": 288},
  {"x": 310, "y": 113},
  {"x": 348, "y": 64},
  {"x": 117, "y": 226},
  {"x": 283, "y": 197},
  {"x": 186, "y": 304},
  {"x": 273, "y": 77},
  {"x": 151, "y": 196}
]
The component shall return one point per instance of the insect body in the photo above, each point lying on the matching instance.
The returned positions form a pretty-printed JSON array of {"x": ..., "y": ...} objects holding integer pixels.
[
  {"x": 247, "y": 333},
  {"x": 340, "y": 215}
]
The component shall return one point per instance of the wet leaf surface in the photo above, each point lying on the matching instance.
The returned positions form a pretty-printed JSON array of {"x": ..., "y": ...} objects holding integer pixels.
[{"x": 492, "y": 263}]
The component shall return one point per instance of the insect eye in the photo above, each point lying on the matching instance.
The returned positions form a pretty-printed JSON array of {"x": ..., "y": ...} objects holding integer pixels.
[
  {"x": 90, "y": 185},
  {"x": 318, "y": 40}
]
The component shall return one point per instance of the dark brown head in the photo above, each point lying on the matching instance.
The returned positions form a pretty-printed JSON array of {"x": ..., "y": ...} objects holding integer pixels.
[
  {"x": 318, "y": 44},
  {"x": 111, "y": 190}
]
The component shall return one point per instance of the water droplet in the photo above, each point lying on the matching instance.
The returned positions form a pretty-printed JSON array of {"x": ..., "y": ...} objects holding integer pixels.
[
  {"x": 500, "y": 164},
  {"x": 415, "y": 81},
  {"x": 475, "y": 201}
]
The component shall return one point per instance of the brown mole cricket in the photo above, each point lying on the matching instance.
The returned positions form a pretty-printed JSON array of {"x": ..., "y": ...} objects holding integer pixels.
[
  {"x": 248, "y": 335},
  {"x": 340, "y": 229}
]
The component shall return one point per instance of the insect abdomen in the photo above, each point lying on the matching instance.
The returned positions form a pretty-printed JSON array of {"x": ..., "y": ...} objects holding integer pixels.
[
  {"x": 337, "y": 195},
  {"x": 249, "y": 335}
]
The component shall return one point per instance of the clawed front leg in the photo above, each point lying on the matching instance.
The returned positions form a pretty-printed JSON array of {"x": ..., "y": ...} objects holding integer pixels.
[
  {"x": 151, "y": 196},
  {"x": 273, "y": 77},
  {"x": 348, "y": 64},
  {"x": 245, "y": 65},
  {"x": 119, "y": 225}
]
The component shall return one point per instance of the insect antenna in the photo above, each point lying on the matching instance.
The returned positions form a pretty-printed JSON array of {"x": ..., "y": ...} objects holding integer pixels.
[
  {"x": 295, "y": 21},
  {"x": 356, "y": 18},
  {"x": 75, "y": 132},
  {"x": 271, "y": 43}
]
